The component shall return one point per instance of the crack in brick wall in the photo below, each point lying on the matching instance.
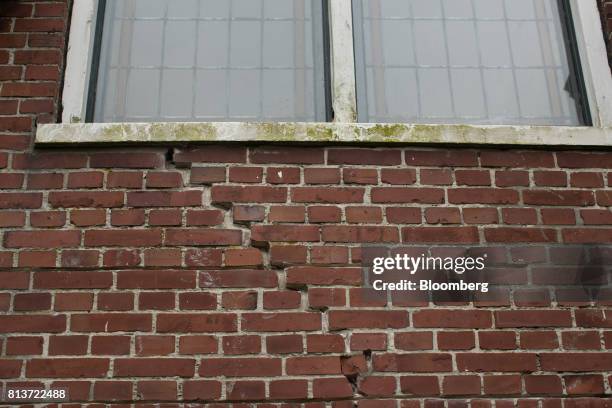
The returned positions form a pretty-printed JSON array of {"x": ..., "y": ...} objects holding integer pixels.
[{"x": 230, "y": 275}]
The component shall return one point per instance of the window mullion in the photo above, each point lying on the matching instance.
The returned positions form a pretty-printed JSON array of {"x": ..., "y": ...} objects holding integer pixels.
[{"x": 342, "y": 61}]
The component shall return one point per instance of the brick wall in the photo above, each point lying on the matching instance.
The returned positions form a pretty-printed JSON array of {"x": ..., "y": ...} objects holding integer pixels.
[{"x": 230, "y": 273}]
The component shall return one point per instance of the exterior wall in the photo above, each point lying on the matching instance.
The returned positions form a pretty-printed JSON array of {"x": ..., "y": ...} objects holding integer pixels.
[{"x": 177, "y": 273}]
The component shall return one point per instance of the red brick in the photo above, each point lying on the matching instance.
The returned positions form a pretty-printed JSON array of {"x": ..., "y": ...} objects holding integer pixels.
[
  {"x": 587, "y": 235},
  {"x": 520, "y": 235},
  {"x": 204, "y": 217},
  {"x": 323, "y": 214},
  {"x": 313, "y": 365},
  {"x": 325, "y": 343},
  {"x": 281, "y": 322},
  {"x": 360, "y": 176},
  {"x": 327, "y": 195},
  {"x": 241, "y": 367},
  {"x": 112, "y": 390},
  {"x": 197, "y": 301},
  {"x": 16, "y": 201},
  {"x": 248, "y": 194},
  {"x": 584, "y": 384},
  {"x": 457, "y": 158},
  {"x": 121, "y": 258},
  {"x": 196, "y": 323},
  {"x": 45, "y": 181},
  {"x": 550, "y": 178},
  {"x": 207, "y": 175},
  {"x": 368, "y": 341},
  {"x": 124, "y": 179},
  {"x": 284, "y": 344},
  {"x": 130, "y": 238},
  {"x": 239, "y": 300},
  {"x": 157, "y": 390},
  {"x": 281, "y": 300},
  {"x": 558, "y": 216},
  {"x": 238, "y": 278},
  {"x": 416, "y": 385},
  {"x": 32, "y": 301},
  {"x": 301, "y": 276},
  {"x": 413, "y": 341},
  {"x": 28, "y": 89},
  {"x": 509, "y": 178},
  {"x": 371, "y": 319},
  {"x": 289, "y": 389},
  {"x": 134, "y": 160},
  {"x": 543, "y": 384},
  {"x": 331, "y": 388},
  {"x": 246, "y": 174},
  {"x": 461, "y": 385},
  {"x": 203, "y": 257},
  {"x": 67, "y": 345},
  {"x": 39, "y": 25},
  {"x": 287, "y": 214},
  {"x": 323, "y": 175},
  {"x": 109, "y": 301},
  {"x": 497, "y": 340},
  {"x": 283, "y": 175},
  {"x": 286, "y": 155},
  {"x": 22, "y": 346},
  {"x": 98, "y": 199},
  {"x": 210, "y": 154},
  {"x": 73, "y": 302},
  {"x": 281, "y": 255},
  {"x": 164, "y": 198},
  {"x": 539, "y": 340},
  {"x": 284, "y": 233},
  {"x": 38, "y": 259},
  {"x": 197, "y": 345},
  {"x": 237, "y": 345},
  {"x": 92, "y": 179},
  {"x": 164, "y": 180},
  {"x": 201, "y": 390},
  {"x": 503, "y": 362},
  {"x": 407, "y": 195},
  {"x": 581, "y": 340},
  {"x": 67, "y": 368},
  {"x": 520, "y": 216},
  {"x": 110, "y": 322},
  {"x": 246, "y": 390},
  {"x": 516, "y": 159},
  {"x": 502, "y": 384},
  {"x": 165, "y": 217},
  {"x": 154, "y": 345},
  {"x": 565, "y": 198},
  {"x": 42, "y": 239},
  {"x": 43, "y": 161},
  {"x": 439, "y": 215},
  {"x": 584, "y": 160},
  {"x": 403, "y": 215},
  {"x": 398, "y": 176},
  {"x": 413, "y": 362}
]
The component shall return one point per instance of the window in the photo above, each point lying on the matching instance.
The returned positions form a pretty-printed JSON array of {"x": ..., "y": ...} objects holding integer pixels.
[
  {"x": 474, "y": 61},
  {"x": 477, "y": 62},
  {"x": 210, "y": 60}
]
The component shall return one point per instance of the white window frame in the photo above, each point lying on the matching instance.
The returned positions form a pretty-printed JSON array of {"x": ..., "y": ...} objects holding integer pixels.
[{"x": 591, "y": 46}]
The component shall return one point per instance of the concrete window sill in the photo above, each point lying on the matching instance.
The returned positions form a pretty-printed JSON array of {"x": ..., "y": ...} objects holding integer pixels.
[{"x": 184, "y": 132}]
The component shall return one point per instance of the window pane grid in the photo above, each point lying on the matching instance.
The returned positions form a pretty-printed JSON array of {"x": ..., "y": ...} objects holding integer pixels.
[
  {"x": 265, "y": 66},
  {"x": 404, "y": 80}
]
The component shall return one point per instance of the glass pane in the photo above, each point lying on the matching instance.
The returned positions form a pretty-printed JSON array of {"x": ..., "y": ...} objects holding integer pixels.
[
  {"x": 464, "y": 61},
  {"x": 211, "y": 60}
]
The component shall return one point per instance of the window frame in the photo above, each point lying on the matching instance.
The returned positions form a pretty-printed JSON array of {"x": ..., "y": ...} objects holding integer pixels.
[{"x": 585, "y": 17}]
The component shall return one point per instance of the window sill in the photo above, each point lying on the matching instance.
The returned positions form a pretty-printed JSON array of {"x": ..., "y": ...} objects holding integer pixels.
[{"x": 183, "y": 132}]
